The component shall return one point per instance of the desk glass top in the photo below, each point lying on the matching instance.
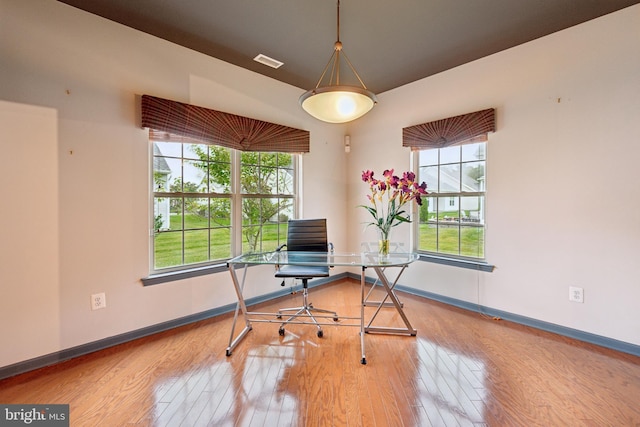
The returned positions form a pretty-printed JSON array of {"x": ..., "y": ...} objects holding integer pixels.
[{"x": 363, "y": 259}]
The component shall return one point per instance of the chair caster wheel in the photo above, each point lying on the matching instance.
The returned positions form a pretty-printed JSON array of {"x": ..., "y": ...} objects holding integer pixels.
[
  {"x": 278, "y": 316},
  {"x": 320, "y": 334},
  {"x": 335, "y": 319},
  {"x": 281, "y": 332}
]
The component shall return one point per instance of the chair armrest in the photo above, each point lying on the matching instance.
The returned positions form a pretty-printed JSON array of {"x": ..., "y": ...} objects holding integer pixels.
[
  {"x": 331, "y": 252},
  {"x": 280, "y": 247}
]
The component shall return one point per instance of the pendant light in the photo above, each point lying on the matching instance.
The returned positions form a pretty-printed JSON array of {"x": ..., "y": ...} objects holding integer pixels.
[{"x": 336, "y": 103}]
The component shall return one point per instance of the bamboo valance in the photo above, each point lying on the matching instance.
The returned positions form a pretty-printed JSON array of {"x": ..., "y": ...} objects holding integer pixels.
[
  {"x": 458, "y": 130},
  {"x": 179, "y": 122}
]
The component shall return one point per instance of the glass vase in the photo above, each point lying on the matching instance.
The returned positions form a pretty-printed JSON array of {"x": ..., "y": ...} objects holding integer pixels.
[{"x": 384, "y": 244}]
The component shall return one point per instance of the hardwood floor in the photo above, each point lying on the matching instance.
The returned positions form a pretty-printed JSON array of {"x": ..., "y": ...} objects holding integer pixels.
[{"x": 461, "y": 369}]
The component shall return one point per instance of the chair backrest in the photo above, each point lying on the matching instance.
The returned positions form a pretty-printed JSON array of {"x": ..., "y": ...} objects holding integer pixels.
[{"x": 307, "y": 235}]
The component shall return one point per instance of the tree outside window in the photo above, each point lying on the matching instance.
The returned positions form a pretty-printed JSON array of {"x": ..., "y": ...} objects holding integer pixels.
[{"x": 194, "y": 201}]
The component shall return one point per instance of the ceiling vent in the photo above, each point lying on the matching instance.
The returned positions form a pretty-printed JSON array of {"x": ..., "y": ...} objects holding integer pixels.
[{"x": 269, "y": 62}]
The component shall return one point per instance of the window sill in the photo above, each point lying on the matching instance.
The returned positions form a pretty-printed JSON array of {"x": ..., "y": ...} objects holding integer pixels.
[
  {"x": 456, "y": 262},
  {"x": 156, "y": 279}
]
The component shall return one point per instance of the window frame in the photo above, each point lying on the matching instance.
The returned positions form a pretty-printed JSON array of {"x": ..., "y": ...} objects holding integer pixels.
[
  {"x": 446, "y": 258},
  {"x": 236, "y": 197}
]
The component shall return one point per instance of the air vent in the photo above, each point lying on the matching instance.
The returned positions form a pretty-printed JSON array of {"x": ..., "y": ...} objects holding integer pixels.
[{"x": 269, "y": 62}]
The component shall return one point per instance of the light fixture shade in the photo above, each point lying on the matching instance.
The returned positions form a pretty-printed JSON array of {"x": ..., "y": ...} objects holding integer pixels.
[{"x": 338, "y": 104}]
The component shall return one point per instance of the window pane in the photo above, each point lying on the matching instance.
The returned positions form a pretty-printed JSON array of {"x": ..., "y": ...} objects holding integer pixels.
[
  {"x": 285, "y": 210},
  {"x": 250, "y": 158},
  {"x": 472, "y": 209},
  {"x": 282, "y": 232},
  {"x": 285, "y": 181},
  {"x": 270, "y": 236},
  {"x": 196, "y": 246},
  {"x": 428, "y": 157},
  {"x": 285, "y": 160},
  {"x": 250, "y": 179},
  {"x": 450, "y": 155},
  {"x": 168, "y": 149},
  {"x": 220, "y": 242},
  {"x": 220, "y": 220},
  {"x": 167, "y": 249},
  {"x": 220, "y": 212},
  {"x": 268, "y": 180},
  {"x": 429, "y": 210},
  {"x": 450, "y": 178},
  {"x": 251, "y": 236},
  {"x": 220, "y": 177},
  {"x": 448, "y": 208},
  {"x": 251, "y": 220},
  {"x": 196, "y": 212},
  {"x": 428, "y": 237},
  {"x": 174, "y": 175},
  {"x": 429, "y": 174},
  {"x": 472, "y": 241},
  {"x": 195, "y": 151},
  {"x": 269, "y": 159},
  {"x": 270, "y": 209},
  {"x": 175, "y": 214},
  {"x": 219, "y": 169},
  {"x": 264, "y": 223},
  {"x": 473, "y": 152},
  {"x": 195, "y": 173},
  {"x": 473, "y": 176},
  {"x": 161, "y": 214},
  {"x": 448, "y": 238}
]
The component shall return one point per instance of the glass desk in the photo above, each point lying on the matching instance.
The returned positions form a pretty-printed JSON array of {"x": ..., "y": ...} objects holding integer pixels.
[{"x": 381, "y": 265}]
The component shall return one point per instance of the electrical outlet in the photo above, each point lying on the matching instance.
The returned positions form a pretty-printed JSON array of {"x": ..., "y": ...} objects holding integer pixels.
[
  {"x": 576, "y": 294},
  {"x": 98, "y": 301}
]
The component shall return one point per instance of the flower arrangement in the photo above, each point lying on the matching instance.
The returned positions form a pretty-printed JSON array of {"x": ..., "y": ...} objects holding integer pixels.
[{"x": 398, "y": 191}]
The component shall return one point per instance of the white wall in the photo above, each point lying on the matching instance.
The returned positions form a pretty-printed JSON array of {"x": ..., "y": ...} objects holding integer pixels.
[
  {"x": 567, "y": 141},
  {"x": 92, "y": 161},
  {"x": 29, "y": 273},
  {"x": 86, "y": 72}
]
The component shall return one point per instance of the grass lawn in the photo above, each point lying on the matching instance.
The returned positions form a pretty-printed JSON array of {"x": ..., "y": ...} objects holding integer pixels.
[
  {"x": 451, "y": 239},
  {"x": 201, "y": 245},
  {"x": 206, "y": 245}
]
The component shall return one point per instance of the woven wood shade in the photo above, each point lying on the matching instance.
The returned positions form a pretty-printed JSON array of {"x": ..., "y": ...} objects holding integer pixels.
[
  {"x": 178, "y": 122},
  {"x": 458, "y": 130}
]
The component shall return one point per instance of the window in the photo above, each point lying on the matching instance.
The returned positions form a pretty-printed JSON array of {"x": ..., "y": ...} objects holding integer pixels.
[
  {"x": 198, "y": 200},
  {"x": 268, "y": 196},
  {"x": 222, "y": 184},
  {"x": 452, "y": 216}
]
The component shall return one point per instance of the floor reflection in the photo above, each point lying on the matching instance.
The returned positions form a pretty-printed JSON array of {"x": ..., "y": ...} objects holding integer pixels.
[
  {"x": 450, "y": 386},
  {"x": 301, "y": 379},
  {"x": 248, "y": 389}
]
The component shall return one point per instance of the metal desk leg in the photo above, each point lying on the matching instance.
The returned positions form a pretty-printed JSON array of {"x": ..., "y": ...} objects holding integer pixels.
[
  {"x": 362, "y": 305},
  {"x": 240, "y": 306},
  {"x": 409, "y": 330},
  {"x": 373, "y": 287}
]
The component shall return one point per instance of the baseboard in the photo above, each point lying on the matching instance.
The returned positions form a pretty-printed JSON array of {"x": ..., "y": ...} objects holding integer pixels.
[
  {"x": 70, "y": 353},
  {"x": 600, "y": 340},
  {"x": 81, "y": 350}
]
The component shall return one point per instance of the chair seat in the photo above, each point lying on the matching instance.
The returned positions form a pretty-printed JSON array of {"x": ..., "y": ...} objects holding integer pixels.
[{"x": 302, "y": 271}]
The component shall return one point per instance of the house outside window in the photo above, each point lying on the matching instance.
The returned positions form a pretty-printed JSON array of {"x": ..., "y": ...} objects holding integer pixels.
[
  {"x": 211, "y": 202},
  {"x": 452, "y": 217}
]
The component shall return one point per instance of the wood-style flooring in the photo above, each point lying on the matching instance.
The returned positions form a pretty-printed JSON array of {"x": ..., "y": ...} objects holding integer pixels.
[{"x": 462, "y": 369}]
